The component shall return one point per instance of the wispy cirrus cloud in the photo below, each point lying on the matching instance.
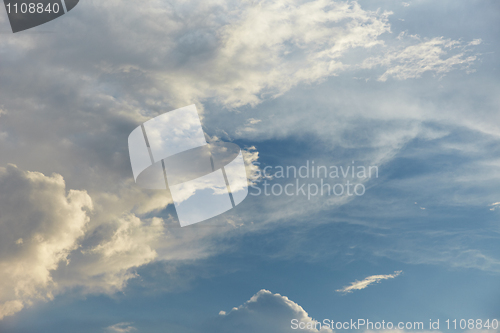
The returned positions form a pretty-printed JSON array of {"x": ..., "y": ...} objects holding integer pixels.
[
  {"x": 437, "y": 55},
  {"x": 359, "y": 285}
]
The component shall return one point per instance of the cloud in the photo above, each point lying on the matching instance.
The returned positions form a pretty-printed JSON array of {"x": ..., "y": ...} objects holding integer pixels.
[
  {"x": 52, "y": 240},
  {"x": 494, "y": 205},
  {"x": 476, "y": 41},
  {"x": 304, "y": 43},
  {"x": 131, "y": 245},
  {"x": 252, "y": 121},
  {"x": 71, "y": 111},
  {"x": 121, "y": 328},
  {"x": 249, "y": 125},
  {"x": 41, "y": 223},
  {"x": 119, "y": 242},
  {"x": 359, "y": 285},
  {"x": 265, "y": 312},
  {"x": 249, "y": 52},
  {"x": 129, "y": 237},
  {"x": 427, "y": 56},
  {"x": 454, "y": 250}
]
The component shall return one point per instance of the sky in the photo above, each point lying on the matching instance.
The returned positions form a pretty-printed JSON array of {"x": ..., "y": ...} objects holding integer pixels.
[{"x": 408, "y": 88}]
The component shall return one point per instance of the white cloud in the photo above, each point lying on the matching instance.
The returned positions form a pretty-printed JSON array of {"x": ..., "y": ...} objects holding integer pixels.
[
  {"x": 303, "y": 43},
  {"x": 427, "y": 56},
  {"x": 249, "y": 52},
  {"x": 129, "y": 239},
  {"x": 252, "y": 121},
  {"x": 52, "y": 240},
  {"x": 40, "y": 225},
  {"x": 359, "y": 285},
  {"x": 495, "y": 205},
  {"x": 121, "y": 328},
  {"x": 131, "y": 245},
  {"x": 265, "y": 312},
  {"x": 476, "y": 41},
  {"x": 248, "y": 127}
]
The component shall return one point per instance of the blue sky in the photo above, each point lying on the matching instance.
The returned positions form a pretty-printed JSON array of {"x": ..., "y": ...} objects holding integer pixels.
[{"x": 410, "y": 87}]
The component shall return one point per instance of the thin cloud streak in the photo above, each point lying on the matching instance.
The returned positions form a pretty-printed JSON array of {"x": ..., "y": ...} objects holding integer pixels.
[
  {"x": 121, "y": 328},
  {"x": 359, "y": 285}
]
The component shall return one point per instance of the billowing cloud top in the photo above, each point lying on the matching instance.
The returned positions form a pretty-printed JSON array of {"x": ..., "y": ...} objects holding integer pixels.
[{"x": 265, "y": 312}]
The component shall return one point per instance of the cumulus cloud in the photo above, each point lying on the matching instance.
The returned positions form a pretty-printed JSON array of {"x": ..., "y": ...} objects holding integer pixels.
[
  {"x": 265, "y": 312},
  {"x": 52, "y": 239},
  {"x": 131, "y": 245},
  {"x": 40, "y": 224},
  {"x": 359, "y": 285}
]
